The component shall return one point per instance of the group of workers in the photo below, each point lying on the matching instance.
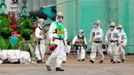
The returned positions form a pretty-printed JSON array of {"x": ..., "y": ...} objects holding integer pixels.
[{"x": 115, "y": 39}]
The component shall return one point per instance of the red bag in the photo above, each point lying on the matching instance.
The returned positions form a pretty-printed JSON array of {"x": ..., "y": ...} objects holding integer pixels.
[{"x": 52, "y": 47}]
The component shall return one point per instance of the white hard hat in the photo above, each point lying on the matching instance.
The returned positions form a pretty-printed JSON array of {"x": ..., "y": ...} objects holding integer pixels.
[
  {"x": 120, "y": 26},
  {"x": 112, "y": 24},
  {"x": 98, "y": 21},
  {"x": 59, "y": 14},
  {"x": 81, "y": 30}
]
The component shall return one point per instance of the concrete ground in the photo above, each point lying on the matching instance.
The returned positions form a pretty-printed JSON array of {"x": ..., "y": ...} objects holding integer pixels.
[{"x": 72, "y": 67}]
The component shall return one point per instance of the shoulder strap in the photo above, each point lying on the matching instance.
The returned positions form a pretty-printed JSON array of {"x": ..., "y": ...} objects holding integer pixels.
[{"x": 56, "y": 23}]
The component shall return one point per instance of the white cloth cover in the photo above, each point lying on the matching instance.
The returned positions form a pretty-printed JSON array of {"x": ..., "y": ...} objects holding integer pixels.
[{"x": 15, "y": 55}]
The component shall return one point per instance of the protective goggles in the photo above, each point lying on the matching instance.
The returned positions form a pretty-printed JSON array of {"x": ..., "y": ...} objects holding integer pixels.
[
  {"x": 119, "y": 28},
  {"x": 112, "y": 26},
  {"x": 60, "y": 17}
]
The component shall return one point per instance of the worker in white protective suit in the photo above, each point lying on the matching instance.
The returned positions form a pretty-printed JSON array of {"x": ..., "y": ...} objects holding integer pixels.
[
  {"x": 58, "y": 35},
  {"x": 112, "y": 43},
  {"x": 40, "y": 46},
  {"x": 79, "y": 41},
  {"x": 122, "y": 40},
  {"x": 96, "y": 36}
]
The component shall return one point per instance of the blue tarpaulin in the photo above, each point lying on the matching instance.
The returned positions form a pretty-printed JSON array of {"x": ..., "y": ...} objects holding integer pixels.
[{"x": 14, "y": 40}]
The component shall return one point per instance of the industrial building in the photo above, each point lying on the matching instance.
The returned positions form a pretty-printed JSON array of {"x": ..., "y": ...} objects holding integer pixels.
[{"x": 82, "y": 14}]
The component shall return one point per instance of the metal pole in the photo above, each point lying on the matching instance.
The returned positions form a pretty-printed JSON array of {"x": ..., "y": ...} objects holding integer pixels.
[{"x": 40, "y": 50}]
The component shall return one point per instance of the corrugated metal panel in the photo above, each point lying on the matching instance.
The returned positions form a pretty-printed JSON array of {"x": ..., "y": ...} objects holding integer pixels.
[
  {"x": 130, "y": 24},
  {"x": 83, "y": 14},
  {"x": 90, "y": 11}
]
